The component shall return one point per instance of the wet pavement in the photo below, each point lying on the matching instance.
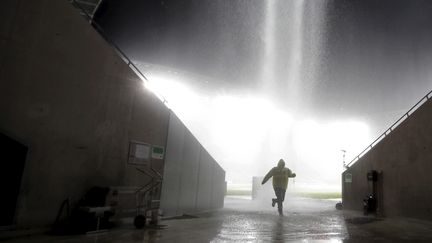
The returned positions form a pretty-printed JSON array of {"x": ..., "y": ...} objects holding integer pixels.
[{"x": 305, "y": 220}]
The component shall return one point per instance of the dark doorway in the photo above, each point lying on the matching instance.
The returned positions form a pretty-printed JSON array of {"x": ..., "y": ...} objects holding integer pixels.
[{"x": 12, "y": 158}]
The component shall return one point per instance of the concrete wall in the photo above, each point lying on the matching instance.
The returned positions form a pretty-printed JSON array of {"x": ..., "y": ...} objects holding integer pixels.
[
  {"x": 193, "y": 181},
  {"x": 405, "y": 159},
  {"x": 66, "y": 94}
]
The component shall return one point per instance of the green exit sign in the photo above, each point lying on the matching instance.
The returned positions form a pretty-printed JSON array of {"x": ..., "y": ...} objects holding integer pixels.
[{"x": 158, "y": 152}]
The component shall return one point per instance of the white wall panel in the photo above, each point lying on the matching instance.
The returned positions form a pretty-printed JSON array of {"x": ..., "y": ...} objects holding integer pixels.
[{"x": 193, "y": 181}]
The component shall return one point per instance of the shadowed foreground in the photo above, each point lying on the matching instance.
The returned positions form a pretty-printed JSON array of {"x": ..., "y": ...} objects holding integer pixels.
[{"x": 242, "y": 220}]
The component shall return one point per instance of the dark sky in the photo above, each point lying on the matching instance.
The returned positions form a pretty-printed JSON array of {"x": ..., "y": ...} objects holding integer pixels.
[
  {"x": 203, "y": 37},
  {"x": 379, "y": 53},
  {"x": 369, "y": 58}
]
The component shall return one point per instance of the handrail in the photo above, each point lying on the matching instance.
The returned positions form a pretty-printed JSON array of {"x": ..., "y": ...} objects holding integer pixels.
[
  {"x": 156, "y": 184},
  {"x": 143, "y": 187},
  {"x": 391, "y": 128},
  {"x": 157, "y": 173},
  {"x": 116, "y": 48},
  {"x": 154, "y": 179}
]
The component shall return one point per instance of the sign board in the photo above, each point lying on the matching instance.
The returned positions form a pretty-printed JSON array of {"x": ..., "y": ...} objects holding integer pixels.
[
  {"x": 157, "y": 152},
  {"x": 348, "y": 178},
  {"x": 139, "y": 153}
]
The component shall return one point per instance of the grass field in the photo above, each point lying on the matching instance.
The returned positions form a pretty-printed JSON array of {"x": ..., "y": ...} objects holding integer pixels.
[
  {"x": 238, "y": 192},
  {"x": 314, "y": 195},
  {"x": 319, "y": 195}
]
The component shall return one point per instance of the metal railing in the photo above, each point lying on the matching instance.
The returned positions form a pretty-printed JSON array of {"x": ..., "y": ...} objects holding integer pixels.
[
  {"x": 392, "y": 127},
  {"x": 125, "y": 58}
]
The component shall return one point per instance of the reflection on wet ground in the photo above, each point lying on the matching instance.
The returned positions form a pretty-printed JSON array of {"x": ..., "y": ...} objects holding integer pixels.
[{"x": 305, "y": 220}]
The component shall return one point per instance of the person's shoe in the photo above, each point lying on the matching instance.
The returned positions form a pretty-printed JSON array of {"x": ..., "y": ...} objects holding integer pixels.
[{"x": 273, "y": 202}]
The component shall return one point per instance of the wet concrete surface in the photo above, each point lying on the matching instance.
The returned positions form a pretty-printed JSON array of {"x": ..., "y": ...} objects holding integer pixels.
[{"x": 305, "y": 220}]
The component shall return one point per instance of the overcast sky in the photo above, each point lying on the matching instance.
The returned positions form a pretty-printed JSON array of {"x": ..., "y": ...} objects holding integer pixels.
[
  {"x": 369, "y": 60},
  {"x": 368, "y": 48}
]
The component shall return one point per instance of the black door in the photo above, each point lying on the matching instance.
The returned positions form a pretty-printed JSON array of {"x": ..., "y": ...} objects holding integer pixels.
[{"x": 12, "y": 159}]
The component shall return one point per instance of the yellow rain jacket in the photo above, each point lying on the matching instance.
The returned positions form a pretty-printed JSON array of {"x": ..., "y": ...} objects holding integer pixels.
[{"x": 280, "y": 175}]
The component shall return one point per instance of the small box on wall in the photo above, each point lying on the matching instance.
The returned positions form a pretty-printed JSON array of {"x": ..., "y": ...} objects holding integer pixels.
[
  {"x": 348, "y": 178},
  {"x": 157, "y": 152}
]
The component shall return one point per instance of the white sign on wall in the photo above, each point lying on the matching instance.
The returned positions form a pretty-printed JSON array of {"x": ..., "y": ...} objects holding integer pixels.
[{"x": 139, "y": 153}]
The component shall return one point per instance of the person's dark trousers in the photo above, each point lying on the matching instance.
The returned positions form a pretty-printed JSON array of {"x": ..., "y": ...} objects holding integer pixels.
[{"x": 280, "y": 197}]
